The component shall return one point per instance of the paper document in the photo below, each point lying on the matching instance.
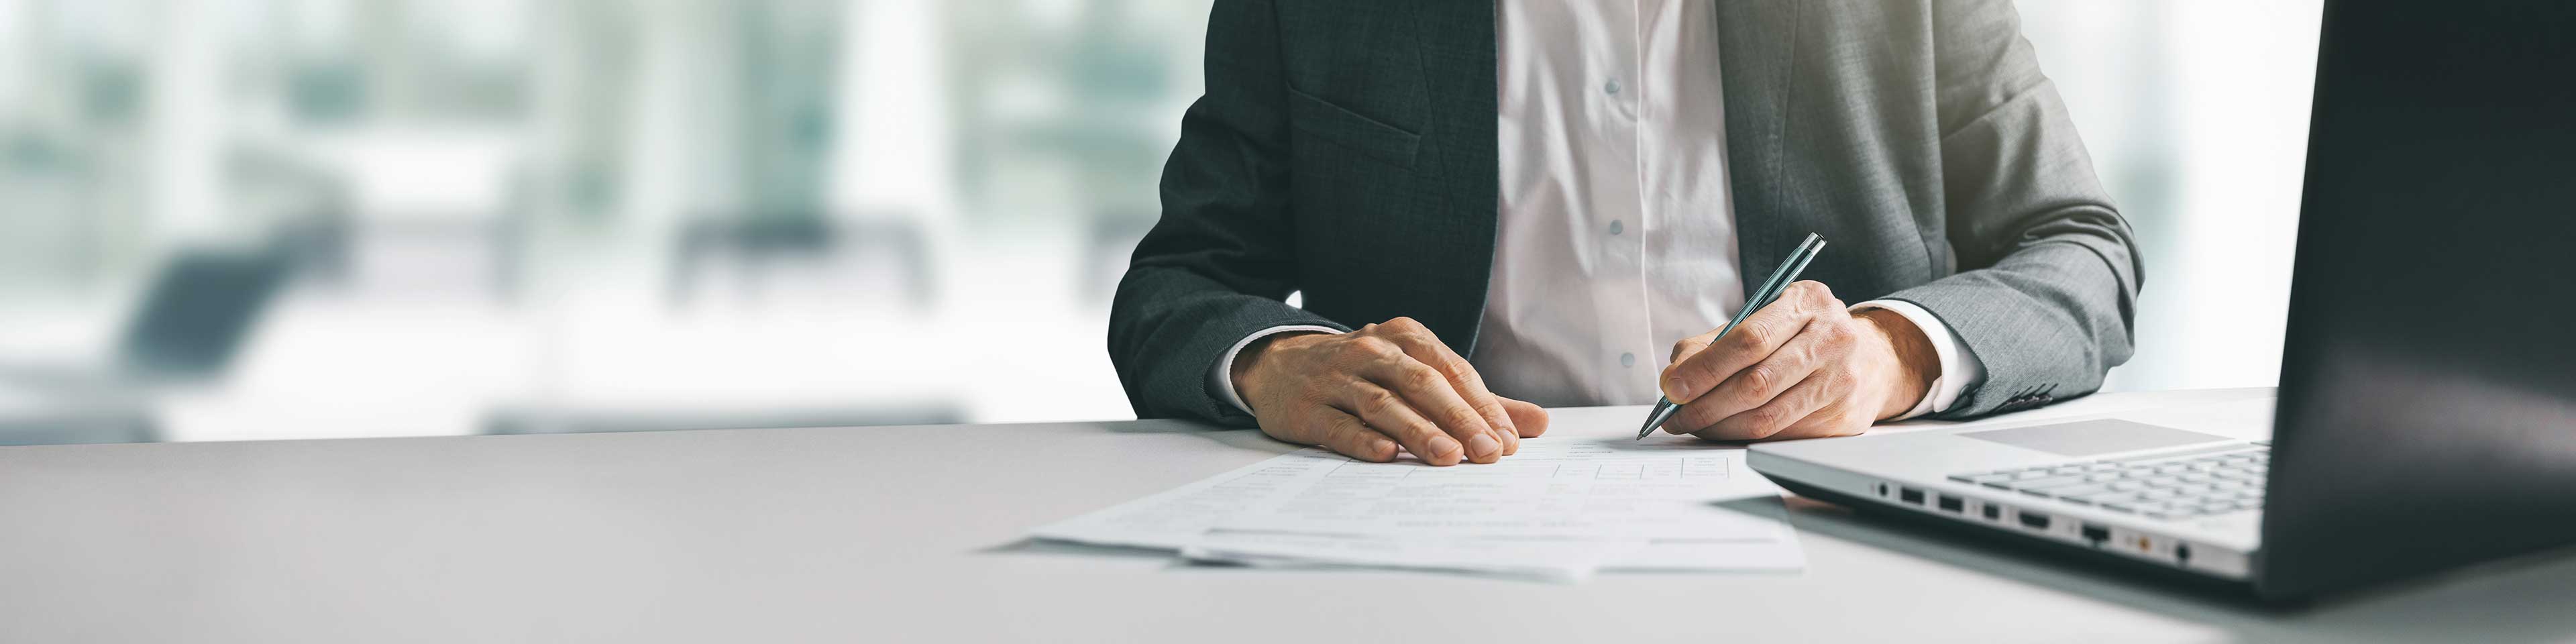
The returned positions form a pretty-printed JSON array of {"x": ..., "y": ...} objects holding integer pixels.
[{"x": 1560, "y": 508}]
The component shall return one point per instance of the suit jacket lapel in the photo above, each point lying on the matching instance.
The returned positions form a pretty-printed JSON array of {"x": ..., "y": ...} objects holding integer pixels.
[
  {"x": 1754, "y": 44},
  {"x": 1457, "y": 51}
]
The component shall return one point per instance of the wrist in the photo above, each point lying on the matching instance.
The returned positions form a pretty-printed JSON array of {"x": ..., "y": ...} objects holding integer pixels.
[
  {"x": 1916, "y": 363},
  {"x": 1246, "y": 372}
]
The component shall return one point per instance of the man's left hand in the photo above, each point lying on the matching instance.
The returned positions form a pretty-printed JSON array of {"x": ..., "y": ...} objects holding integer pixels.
[{"x": 1803, "y": 367}]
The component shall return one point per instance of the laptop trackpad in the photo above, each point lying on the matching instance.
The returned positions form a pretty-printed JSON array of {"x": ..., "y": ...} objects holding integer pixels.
[{"x": 2089, "y": 437}]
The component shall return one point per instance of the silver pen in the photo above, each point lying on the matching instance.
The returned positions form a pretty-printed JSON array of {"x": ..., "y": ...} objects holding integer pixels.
[{"x": 1779, "y": 281}]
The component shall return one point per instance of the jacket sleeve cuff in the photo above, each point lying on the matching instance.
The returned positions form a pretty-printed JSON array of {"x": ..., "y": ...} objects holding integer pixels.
[
  {"x": 1960, "y": 368},
  {"x": 1221, "y": 379}
]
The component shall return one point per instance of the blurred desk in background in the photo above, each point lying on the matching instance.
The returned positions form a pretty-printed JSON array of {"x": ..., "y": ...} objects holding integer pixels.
[{"x": 915, "y": 534}]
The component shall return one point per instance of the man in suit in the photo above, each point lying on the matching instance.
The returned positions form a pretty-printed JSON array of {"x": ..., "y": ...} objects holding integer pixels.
[{"x": 1494, "y": 205}]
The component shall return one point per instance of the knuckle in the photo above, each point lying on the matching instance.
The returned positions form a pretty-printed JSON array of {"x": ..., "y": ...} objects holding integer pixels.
[
  {"x": 1748, "y": 336},
  {"x": 1379, "y": 399},
  {"x": 1813, "y": 292},
  {"x": 1372, "y": 346},
  {"x": 1423, "y": 377},
  {"x": 1466, "y": 420},
  {"x": 1763, "y": 424},
  {"x": 1760, "y": 378}
]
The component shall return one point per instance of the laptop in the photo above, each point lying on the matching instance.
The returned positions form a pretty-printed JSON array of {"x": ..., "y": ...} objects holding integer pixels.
[{"x": 2426, "y": 415}]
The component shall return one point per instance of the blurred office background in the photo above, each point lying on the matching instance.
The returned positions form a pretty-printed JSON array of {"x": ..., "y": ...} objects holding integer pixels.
[{"x": 251, "y": 219}]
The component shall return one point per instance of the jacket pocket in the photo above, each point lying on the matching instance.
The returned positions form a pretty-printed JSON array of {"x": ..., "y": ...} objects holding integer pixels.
[{"x": 1322, "y": 119}]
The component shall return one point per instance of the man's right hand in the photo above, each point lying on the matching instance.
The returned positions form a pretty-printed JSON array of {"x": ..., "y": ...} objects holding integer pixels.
[{"x": 1365, "y": 392}]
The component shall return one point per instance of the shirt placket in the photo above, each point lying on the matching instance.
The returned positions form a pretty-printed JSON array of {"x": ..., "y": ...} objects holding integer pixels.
[{"x": 1624, "y": 353}]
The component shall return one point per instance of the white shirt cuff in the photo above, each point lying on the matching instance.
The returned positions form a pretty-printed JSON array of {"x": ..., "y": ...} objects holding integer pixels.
[
  {"x": 1959, "y": 366},
  {"x": 1221, "y": 380}
]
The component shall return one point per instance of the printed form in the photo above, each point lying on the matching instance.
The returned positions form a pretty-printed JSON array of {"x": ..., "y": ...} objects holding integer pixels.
[{"x": 1559, "y": 509}]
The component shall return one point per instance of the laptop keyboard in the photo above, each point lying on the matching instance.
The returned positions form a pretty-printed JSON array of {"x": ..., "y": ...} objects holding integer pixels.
[{"x": 2198, "y": 483}]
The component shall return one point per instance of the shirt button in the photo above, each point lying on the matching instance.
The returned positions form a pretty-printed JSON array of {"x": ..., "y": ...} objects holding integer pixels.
[
  {"x": 1627, "y": 359},
  {"x": 1617, "y": 227},
  {"x": 1611, "y": 88}
]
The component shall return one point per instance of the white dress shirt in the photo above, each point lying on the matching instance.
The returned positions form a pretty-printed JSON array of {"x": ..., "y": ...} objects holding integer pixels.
[{"x": 1617, "y": 236}]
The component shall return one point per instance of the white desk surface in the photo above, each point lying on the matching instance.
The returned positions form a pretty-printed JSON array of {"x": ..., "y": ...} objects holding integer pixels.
[{"x": 913, "y": 534}]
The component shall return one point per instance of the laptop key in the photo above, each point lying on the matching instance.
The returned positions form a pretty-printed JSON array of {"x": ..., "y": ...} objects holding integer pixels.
[
  {"x": 2115, "y": 498},
  {"x": 2046, "y": 483}
]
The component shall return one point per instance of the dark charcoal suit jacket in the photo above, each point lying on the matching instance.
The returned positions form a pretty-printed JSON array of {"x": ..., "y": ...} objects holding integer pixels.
[{"x": 1345, "y": 148}]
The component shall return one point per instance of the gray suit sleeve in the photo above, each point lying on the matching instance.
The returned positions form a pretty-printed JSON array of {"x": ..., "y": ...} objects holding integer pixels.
[
  {"x": 1219, "y": 264},
  {"x": 2049, "y": 273}
]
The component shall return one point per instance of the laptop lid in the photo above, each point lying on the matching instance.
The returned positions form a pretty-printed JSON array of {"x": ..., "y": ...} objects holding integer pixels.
[{"x": 2427, "y": 412}]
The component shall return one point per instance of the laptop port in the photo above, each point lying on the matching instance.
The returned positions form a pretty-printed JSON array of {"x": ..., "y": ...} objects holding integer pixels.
[
  {"x": 2182, "y": 553},
  {"x": 1994, "y": 512},
  {"x": 2096, "y": 533},
  {"x": 2034, "y": 520},
  {"x": 1882, "y": 490},
  {"x": 1910, "y": 495},
  {"x": 1953, "y": 504}
]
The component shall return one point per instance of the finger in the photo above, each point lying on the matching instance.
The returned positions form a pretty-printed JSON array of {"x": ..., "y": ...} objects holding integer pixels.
[
  {"x": 1528, "y": 418},
  {"x": 1387, "y": 413},
  {"x": 1747, "y": 343},
  {"x": 1419, "y": 342},
  {"x": 1768, "y": 419},
  {"x": 1793, "y": 362},
  {"x": 1346, "y": 434},
  {"x": 1832, "y": 419},
  {"x": 1429, "y": 395},
  {"x": 1683, "y": 350}
]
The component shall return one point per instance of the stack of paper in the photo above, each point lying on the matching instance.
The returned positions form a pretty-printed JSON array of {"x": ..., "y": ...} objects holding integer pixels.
[{"x": 1560, "y": 509}]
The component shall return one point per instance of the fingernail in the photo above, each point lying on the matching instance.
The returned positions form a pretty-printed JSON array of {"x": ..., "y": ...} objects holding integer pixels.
[
  {"x": 1443, "y": 445},
  {"x": 1483, "y": 446}
]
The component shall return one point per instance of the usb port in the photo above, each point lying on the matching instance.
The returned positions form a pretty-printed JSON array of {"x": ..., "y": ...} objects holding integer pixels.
[
  {"x": 2096, "y": 533},
  {"x": 1910, "y": 495},
  {"x": 2034, "y": 520},
  {"x": 1953, "y": 504}
]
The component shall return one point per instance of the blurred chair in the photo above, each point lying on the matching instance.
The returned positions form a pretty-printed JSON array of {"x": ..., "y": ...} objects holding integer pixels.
[{"x": 194, "y": 318}]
